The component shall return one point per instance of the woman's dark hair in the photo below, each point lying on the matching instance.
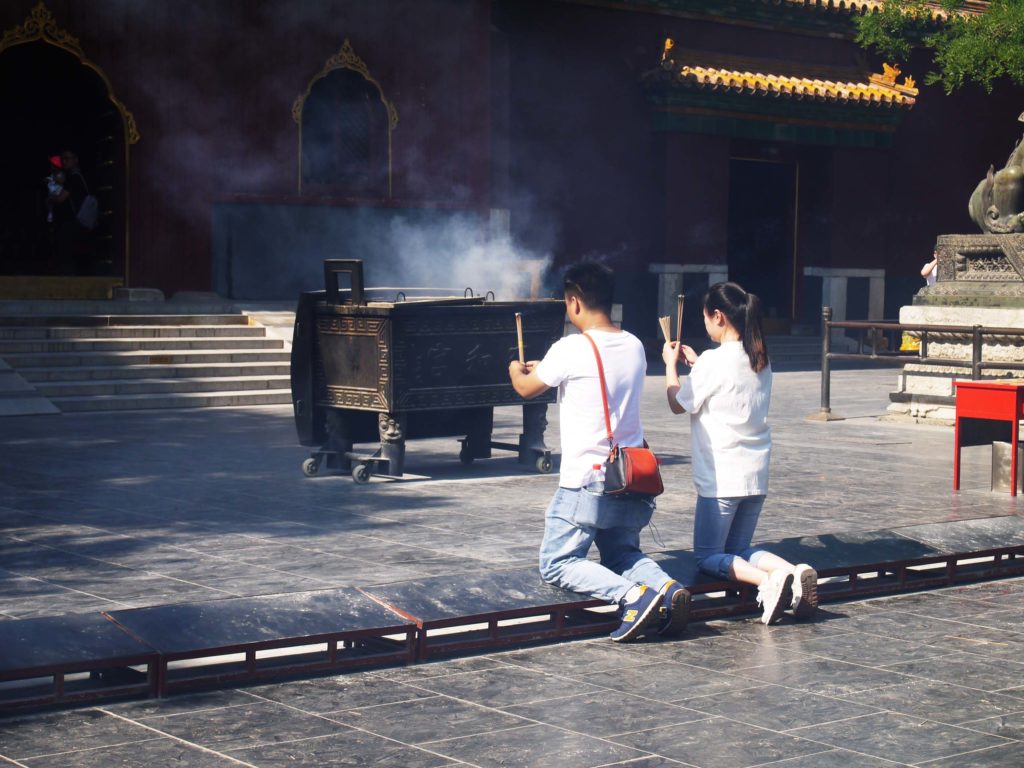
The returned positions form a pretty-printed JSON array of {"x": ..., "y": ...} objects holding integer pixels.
[
  {"x": 591, "y": 283},
  {"x": 743, "y": 311}
]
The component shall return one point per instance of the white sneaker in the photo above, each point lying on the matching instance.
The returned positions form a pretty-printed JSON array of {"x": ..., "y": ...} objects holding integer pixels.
[
  {"x": 774, "y": 595},
  {"x": 805, "y": 591}
]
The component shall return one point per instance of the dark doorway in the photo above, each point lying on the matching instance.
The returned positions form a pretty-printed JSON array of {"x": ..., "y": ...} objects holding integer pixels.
[
  {"x": 762, "y": 208},
  {"x": 53, "y": 103}
]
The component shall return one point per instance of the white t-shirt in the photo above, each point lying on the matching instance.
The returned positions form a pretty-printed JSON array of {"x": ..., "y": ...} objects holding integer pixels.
[
  {"x": 932, "y": 277},
  {"x": 571, "y": 366},
  {"x": 728, "y": 407}
]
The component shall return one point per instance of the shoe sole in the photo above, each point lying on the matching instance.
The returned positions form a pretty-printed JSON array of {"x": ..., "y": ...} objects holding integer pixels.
[
  {"x": 641, "y": 625},
  {"x": 807, "y": 602},
  {"x": 784, "y": 599},
  {"x": 680, "y": 615}
]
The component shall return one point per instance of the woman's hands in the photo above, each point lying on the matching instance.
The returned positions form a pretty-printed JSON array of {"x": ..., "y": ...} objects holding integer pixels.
[{"x": 673, "y": 351}]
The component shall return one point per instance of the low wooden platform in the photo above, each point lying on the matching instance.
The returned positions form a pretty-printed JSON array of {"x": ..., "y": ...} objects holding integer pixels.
[{"x": 160, "y": 650}]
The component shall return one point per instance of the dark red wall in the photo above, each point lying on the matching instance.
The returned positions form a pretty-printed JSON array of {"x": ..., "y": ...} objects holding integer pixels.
[
  {"x": 531, "y": 105},
  {"x": 211, "y": 86}
]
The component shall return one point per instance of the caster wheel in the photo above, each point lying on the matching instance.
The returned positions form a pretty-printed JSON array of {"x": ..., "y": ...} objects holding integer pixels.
[
  {"x": 544, "y": 464},
  {"x": 465, "y": 456},
  {"x": 361, "y": 474},
  {"x": 310, "y": 467}
]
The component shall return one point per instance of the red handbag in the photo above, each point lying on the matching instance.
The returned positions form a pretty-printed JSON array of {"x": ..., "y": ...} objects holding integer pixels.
[{"x": 627, "y": 471}]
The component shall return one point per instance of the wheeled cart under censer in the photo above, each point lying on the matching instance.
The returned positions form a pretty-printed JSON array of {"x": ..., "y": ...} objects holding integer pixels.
[{"x": 365, "y": 370}]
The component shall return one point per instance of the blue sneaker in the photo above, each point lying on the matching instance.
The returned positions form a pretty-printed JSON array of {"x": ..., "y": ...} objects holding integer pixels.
[
  {"x": 638, "y": 615},
  {"x": 674, "y": 610}
]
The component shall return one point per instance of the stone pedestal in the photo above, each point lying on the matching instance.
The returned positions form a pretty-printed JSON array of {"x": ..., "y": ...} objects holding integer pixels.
[{"x": 979, "y": 283}]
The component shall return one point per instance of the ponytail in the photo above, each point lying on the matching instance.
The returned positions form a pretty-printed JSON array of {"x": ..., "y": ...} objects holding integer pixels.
[{"x": 743, "y": 311}]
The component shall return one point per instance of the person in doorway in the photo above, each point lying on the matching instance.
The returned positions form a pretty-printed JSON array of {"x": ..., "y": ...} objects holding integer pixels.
[
  {"x": 71, "y": 238},
  {"x": 54, "y": 185},
  {"x": 930, "y": 271},
  {"x": 580, "y": 515},
  {"x": 727, "y": 395}
]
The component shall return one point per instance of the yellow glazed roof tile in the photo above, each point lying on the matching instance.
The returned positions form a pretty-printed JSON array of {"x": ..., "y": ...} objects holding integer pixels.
[{"x": 880, "y": 89}]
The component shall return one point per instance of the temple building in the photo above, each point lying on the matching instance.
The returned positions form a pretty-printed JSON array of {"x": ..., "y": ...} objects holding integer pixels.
[{"x": 233, "y": 146}]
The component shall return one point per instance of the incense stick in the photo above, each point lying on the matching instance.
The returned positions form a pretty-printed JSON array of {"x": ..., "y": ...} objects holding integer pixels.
[
  {"x": 666, "y": 328},
  {"x": 679, "y": 318},
  {"x": 519, "y": 334}
]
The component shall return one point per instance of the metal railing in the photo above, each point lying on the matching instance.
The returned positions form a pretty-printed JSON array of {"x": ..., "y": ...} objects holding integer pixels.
[{"x": 872, "y": 332}]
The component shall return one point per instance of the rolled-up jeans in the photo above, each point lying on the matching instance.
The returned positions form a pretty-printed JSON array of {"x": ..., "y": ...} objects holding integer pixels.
[
  {"x": 575, "y": 519},
  {"x": 722, "y": 531}
]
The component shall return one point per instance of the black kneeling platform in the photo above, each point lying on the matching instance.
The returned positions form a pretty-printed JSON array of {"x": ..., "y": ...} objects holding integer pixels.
[
  {"x": 244, "y": 639},
  {"x": 75, "y": 657},
  {"x": 458, "y": 613},
  {"x": 154, "y": 651}
]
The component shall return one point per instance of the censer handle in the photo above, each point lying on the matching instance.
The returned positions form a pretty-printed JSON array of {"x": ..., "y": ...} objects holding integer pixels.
[{"x": 353, "y": 268}]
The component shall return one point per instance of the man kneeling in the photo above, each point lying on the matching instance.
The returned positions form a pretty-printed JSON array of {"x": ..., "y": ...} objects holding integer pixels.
[{"x": 579, "y": 514}]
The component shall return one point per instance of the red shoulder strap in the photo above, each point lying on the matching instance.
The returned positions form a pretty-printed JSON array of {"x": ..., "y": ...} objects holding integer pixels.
[{"x": 604, "y": 390}]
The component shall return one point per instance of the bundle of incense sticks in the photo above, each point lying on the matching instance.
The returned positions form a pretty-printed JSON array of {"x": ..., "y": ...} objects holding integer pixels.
[
  {"x": 519, "y": 334},
  {"x": 666, "y": 328},
  {"x": 679, "y": 317}
]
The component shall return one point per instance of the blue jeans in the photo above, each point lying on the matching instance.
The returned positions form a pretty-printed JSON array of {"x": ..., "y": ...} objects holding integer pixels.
[
  {"x": 575, "y": 519},
  {"x": 722, "y": 531}
]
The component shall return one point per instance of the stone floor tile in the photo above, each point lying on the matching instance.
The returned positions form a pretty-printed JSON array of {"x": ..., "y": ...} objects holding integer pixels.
[
  {"x": 154, "y": 752},
  {"x": 351, "y": 748},
  {"x": 504, "y": 686},
  {"x": 834, "y": 758},
  {"x": 30, "y": 736},
  {"x": 535, "y": 746},
  {"x": 826, "y": 677},
  {"x": 237, "y": 727},
  {"x": 862, "y": 648},
  {"x": 669, "y": 682},
  {"x": 1004, "y": 756},
  {"x": 721, "y": 743},
  {"x": 584, "y": 657},
  {"x": 780, "y": 709},
  {"x": 598, "y": 714},
  {"x": 1009, "y": 726},
  {"x": 967, "y": 670},
  {"x": 427, "y": 720},
  {"x": 940, "y": 701},
  {"x": 889, "y": 734},
  {"x": 335, "y": 694}
]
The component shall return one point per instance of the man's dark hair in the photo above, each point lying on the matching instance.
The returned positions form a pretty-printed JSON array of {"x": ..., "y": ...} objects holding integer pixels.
[{"x": 591, "y": 283}]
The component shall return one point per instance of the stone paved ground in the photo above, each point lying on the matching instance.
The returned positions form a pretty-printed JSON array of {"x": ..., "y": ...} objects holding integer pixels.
[{"x": 109, "y": 511}]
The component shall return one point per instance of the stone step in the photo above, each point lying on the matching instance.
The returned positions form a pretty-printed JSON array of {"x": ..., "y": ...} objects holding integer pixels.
[
  {"x": 58, "y": 390},
  {"x": 173, "y": 400},
  {"x": 74, "y": 346},
  {"x": 35, "y": 333},
  {"x": 56, "y": 319},
  {"x": 197, "y": 370},
  {"x": 143, "y": 357}
]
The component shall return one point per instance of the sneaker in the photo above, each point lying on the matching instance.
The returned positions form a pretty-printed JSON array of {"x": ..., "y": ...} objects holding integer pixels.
[
  {"x": 805, "y": 591},
  {"x": 775, "y": 595},
  {"x": 638, "y": 615},
  {"x": 674, "y": 610}
]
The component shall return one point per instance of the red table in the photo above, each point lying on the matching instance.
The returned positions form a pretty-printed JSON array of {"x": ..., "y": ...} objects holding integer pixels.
[{"x": 978, "y": 405}]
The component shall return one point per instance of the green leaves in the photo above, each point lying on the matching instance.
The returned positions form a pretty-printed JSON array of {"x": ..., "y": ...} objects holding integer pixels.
[{"x": 980, "y": 48}]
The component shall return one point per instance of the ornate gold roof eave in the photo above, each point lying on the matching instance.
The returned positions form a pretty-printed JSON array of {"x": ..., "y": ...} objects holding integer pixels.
[
  {"x": 346, "y": 58},
  {"x": 879, "y": 90},
  {"x": 41, "y": 26}
]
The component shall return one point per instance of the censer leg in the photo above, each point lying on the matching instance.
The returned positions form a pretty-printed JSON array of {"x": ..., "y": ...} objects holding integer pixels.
[
  {"x": 338, "y": 443},
  {"x": 531, "y": 441},
  {"x": 392, "y": 442}
]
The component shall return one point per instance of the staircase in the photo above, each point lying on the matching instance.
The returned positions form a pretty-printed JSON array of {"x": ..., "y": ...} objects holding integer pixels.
[
  {"x": 120, "y": 362},
  {"x": 794, "y": 353}
]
